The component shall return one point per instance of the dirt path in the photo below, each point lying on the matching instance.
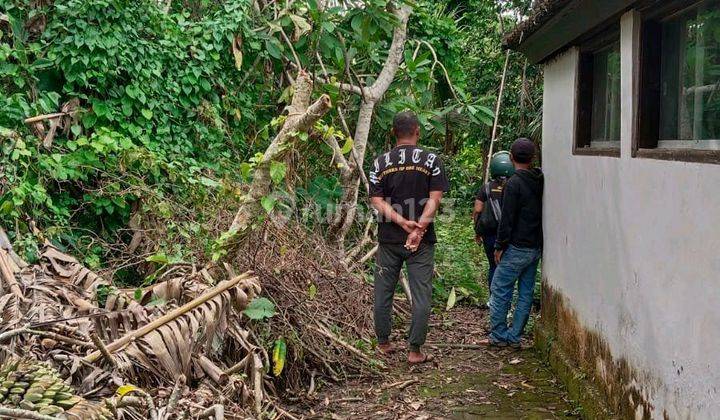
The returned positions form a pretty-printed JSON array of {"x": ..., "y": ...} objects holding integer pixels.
[{"x": 463, "y": 384}]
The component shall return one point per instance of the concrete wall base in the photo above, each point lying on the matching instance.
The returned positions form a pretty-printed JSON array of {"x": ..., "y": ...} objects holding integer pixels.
[
  {"x": 580, "y": 388},
  {"x": 604, "y": 386}
]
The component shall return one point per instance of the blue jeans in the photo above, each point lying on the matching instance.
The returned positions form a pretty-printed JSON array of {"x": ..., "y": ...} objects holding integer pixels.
[{"x": 516, "y": 264}]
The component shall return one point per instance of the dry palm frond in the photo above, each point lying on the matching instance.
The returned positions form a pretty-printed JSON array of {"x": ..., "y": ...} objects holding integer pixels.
[
  {"x": 168, "y": 351},
  {"x": 55, "y": 312},
  {"x": 10, "y": 314},
  {"x": 188, "y": 324}
]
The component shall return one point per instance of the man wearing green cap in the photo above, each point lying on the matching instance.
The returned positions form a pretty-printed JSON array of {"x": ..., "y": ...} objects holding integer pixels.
[{"x": 488, "y": 207}]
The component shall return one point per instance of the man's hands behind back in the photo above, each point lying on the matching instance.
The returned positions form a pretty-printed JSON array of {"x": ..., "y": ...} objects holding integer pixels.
[
  {"x": 409, "y": 225},
  {"x": 414, "y": 239}
]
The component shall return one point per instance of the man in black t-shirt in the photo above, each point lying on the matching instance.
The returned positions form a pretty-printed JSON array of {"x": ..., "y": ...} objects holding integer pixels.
[
  {"x": 406, "y": 186},
  {"x": 488, "y": 207},
  {"x": 485, "y": 236}
]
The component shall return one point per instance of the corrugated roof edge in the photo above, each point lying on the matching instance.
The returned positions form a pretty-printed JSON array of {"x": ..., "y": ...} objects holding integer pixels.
[{"x": 541, "y": 13}]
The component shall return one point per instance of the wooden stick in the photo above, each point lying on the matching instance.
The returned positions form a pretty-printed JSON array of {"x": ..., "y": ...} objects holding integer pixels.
[
  {"x": 257, "y": 382},
  {"x": 47, "y": 117},
  {"x": 406, "y": 287},
  {"x": 402, "y": 384},
  {"x": 101, "y": 346},
  {"x": 129, "y": 401},
  {"x": 497, "y": 115},
  {"x": 349, "y": 399},
  {"x": 458, "y": 346},
  {"x": 49, "y": 334},
  {"x": 369, "y": 255},
  {"x": 12, "y": 333},
  {"x": 7, "y": 246},
  {"x": 324, "y": 331},
  {"x": 237, "y": 367},
  {"x": 59, "y": 337},
  {"x": 134, "y": 335},
  {"x": 212, "y": 370},
  {"x": 282, "y": 413}
]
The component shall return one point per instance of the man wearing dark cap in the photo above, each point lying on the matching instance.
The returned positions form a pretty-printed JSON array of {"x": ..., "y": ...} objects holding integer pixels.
[
  {"x": 518, "y": 246},
  {"x": 406, "y": 187}
]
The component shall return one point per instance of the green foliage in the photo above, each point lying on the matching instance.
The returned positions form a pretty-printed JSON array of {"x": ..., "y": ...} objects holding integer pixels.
[
  {"x": 277, "y": 171},
  {"x": 170, "y": 114},
  {"x": 161, "y": 115},
  {"x": 260, "y": 308},
  {"x": 460, "y": 262}
]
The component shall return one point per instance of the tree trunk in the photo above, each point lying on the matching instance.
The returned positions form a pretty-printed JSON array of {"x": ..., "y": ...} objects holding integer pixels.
[
  {"x": 350, "y": 180},
  {"x": 347, "y": 209},
  {"x": 301, "y": 117}
]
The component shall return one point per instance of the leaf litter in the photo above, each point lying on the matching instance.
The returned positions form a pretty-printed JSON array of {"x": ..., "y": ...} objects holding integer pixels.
[{"x": 201, "y": 342}]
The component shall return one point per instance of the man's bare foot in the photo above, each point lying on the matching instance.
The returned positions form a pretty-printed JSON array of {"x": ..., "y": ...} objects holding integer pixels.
[
  {"x": 386, "y": 348},
  {"x": 416, "y": 358}
]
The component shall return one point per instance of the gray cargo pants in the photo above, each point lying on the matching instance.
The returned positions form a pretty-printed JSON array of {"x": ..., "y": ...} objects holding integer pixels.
[{"x": 420, "y": 265}]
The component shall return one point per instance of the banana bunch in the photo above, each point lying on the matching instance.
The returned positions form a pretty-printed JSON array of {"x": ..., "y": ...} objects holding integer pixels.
[{"x": 35, "y": 386}]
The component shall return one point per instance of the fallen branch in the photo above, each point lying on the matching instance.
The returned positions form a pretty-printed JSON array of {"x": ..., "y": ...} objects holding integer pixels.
[
  {"x": 175, "y": 395},
  {"x": 59, "y": 337},
  {"x": 134, "y": 335},
  {"x": 149, "y": 403},
  {"x": 324, "y": 331},
  {"x": 212, "y": 370},
  {"x": 241, "y": 365},
  {"x": 101, "y": 346},
  {"x": 458, "y": 346},
  {"x": 7, "y": 246},
  {"x": 257, "y": 382},
  {"x": 406, "y": 288},
  {"x": 369, "y": 255},
  {"x": 17, "y": 413},
  {"x": 402, "y": 384},
  {"x": 349, "y": 399},
  {"x": 12, "y": 333},
  {"x": 283, "y": 413},
  {"x": 48, "y": 334}
]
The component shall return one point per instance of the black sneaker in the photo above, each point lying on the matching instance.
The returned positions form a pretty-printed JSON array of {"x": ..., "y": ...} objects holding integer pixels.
[{"x": 495, "y": 343}]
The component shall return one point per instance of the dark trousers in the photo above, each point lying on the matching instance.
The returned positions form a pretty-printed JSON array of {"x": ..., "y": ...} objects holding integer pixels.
[
  {"x": 489, "y": 246},
  {"x": 420, "y": 265}
]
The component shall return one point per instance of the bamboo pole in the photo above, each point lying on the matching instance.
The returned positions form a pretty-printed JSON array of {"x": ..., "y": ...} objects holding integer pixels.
[
  {"x": 497, "y": 115},
  {"x": 8, "y": 274},
  {"x": 134, "y": 335},
  {"x": 47, "y": 117}
]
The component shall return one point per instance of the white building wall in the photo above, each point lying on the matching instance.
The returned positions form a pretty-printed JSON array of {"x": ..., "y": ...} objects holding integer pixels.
[{"x": 633, "y": 245}]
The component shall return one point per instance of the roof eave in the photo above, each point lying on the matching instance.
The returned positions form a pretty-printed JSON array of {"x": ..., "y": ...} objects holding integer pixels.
[{"x": 563, "y": 25}]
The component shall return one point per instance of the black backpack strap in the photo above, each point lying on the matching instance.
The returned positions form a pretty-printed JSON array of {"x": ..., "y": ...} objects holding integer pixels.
[{"x": 494, "y": 204}]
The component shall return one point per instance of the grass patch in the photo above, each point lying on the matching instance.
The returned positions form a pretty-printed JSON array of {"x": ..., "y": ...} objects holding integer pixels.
[{"x": 460, "y": 262}]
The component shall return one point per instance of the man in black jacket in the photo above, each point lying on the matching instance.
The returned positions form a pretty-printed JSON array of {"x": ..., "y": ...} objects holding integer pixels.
[{"x": 518, "y": 247}]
